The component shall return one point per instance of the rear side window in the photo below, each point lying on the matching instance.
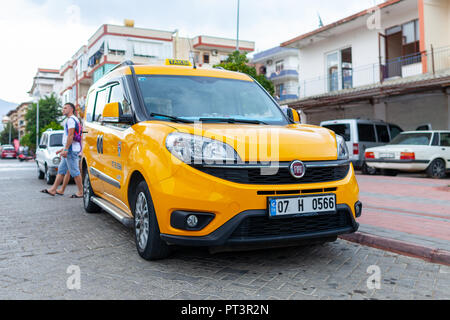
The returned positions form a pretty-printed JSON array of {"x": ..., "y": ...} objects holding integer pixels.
[
  {"x": 90, "y": 107},
  {"x": 366, "y": 132},
  {"x": 100, "y": 102},
  {"x": 445, "y": 139},
  {"x": 395, "y": 131},
  {"x": 382, "y": 133},
  {"x": 340, "y": 129}
]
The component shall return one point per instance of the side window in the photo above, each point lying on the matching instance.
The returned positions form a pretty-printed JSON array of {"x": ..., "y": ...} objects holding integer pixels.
[
  {"x": 100, "y": 102},
  {"x": 395, "y": 131},
  {"x": 117, "y": 95},
  {"x": 445, "y": 139},
  {"x": 366, "y": 132},
  {"x": 90, "y": 106},
  {"x": 435, "y": 141},
  {"x": 43, "y": 140},
  {"x": 382, "y": 133}
]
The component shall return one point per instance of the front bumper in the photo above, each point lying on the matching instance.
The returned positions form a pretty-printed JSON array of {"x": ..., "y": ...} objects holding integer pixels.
[{"x": 255, "y": 226}]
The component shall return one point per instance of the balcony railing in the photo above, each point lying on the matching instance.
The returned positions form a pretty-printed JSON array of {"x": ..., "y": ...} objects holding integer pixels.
[{"x": 435, "y": 60}]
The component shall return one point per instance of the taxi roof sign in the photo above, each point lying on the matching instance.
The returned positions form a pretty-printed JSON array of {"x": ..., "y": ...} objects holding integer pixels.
[{"x": 175, "y": 62}]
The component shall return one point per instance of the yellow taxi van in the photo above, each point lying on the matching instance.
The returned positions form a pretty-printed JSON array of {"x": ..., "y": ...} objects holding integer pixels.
[{"x": 206, "y": 157}]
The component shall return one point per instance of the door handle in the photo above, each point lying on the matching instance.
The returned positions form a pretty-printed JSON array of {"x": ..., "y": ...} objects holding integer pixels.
[{"x": 100, "y": 144}]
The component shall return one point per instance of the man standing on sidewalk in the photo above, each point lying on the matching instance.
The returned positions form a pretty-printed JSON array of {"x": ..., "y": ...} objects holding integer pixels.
[{"x": 69, "y": 154}]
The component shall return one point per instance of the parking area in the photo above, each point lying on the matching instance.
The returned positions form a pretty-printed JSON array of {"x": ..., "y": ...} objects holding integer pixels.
[{"x": 41, "y": 237}]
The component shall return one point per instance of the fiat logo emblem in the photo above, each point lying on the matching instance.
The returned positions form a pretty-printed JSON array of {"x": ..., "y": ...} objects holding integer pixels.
[{"x": 297, "y": 169}]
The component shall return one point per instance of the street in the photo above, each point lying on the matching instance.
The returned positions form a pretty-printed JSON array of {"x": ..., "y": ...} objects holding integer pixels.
[{"x": 43, "y": 238}]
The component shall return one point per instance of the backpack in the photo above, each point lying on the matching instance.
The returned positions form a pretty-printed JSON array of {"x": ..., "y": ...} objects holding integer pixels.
[{"x": 78, "y": 135}]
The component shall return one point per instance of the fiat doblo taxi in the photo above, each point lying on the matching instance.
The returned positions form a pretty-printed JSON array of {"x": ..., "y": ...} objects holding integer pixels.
[{"x": 206, "y": 157}]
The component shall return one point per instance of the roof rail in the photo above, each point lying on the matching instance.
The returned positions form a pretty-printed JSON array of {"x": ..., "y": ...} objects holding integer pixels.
[{"x": 122, "y": 64}]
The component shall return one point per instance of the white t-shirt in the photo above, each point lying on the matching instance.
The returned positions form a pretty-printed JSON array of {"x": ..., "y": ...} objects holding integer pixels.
[{"x": 76, "y": 146}]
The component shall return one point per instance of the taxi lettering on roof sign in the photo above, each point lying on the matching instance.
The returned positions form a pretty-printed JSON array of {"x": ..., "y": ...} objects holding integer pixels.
[
  {"x": 174, "y": 62},
  {"x": 206, "y": 157}
]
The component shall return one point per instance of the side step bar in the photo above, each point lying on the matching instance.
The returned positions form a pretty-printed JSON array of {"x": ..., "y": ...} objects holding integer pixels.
[{"x": 114, "y": 211}]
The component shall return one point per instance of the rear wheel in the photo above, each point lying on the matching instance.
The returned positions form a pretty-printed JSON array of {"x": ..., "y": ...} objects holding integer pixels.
[
  {"x": 48, "y": 178},
  {"x": 146, "y": 229},
  {"x": 365, "y": 169},
  {"x": 88, "y": 193},
  {"x": 436, "y": 170}
]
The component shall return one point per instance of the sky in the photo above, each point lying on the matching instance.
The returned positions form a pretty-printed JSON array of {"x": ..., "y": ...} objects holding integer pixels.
[{"x": 46, "y": 33}]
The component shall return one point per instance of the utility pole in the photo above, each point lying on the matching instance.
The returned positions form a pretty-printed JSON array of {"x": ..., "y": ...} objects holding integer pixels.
[{"x": 237, "y": 37}]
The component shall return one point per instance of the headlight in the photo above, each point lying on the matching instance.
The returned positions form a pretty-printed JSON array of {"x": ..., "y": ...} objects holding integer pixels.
[
  {"x": 56, "y": 161},
  {"x": 193, "y": 149},
  {"x": 342, "y": 148}
]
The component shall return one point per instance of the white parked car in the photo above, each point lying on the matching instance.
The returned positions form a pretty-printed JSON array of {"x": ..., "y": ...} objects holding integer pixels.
[
  {"x": 413, "y": 151},
  {"x": 46, "y": 159}
]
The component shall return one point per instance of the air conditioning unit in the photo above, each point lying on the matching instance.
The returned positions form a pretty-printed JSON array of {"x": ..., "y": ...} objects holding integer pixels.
[
  {"x": 269, "y": 62},
  {"x": 215, "y": 52}
]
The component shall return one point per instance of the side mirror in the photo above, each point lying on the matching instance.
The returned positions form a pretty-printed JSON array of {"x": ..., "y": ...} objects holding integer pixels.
[
  {"x": 293, "y": 115},
  {"x": 112, "y": 113}
]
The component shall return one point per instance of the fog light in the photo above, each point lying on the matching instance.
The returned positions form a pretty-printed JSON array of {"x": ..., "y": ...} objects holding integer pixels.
[{"x": 192, "y": 221}]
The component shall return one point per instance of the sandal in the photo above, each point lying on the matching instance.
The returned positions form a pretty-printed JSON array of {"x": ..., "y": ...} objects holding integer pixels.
[
  {"x": 74, "y": 196},
  {"x": 46, "y": 192}
]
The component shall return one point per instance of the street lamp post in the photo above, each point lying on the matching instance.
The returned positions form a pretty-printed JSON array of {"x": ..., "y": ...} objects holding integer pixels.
[
  {"x": 36, "y": 96},
  {"x": 237, "y": 36}
]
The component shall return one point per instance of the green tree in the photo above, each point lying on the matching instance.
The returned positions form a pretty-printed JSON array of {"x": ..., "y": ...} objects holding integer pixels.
[
  {"x": 238, "y": 62},
  {"x": 49, "y": 112},
  {"x": 4, "y": 135}
]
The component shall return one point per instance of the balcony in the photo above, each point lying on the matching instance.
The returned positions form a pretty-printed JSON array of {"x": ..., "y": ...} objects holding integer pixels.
[
  {"x": 433, "y": 61},
  {"x": 284, "y": 75}
]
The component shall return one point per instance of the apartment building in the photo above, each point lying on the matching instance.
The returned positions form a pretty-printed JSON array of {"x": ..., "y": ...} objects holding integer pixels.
[
  {"x": 17, "y": 118},
  {"x": 112, "y": 44},
  {"x": 389, "y": 62},
  {"x": 281, "y": 66},
  {"x": 46, "y": 82}
]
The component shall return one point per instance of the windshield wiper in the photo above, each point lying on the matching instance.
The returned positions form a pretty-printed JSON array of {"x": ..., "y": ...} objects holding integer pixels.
[
  {"x": 173, "y": 118},
  {"x": 231, "y": 120}
]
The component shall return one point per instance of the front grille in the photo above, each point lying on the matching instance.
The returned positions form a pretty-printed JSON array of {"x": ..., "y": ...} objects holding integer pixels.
[
  {"x": 283, "y": 176},
  {"x": 263, "y": 226}
]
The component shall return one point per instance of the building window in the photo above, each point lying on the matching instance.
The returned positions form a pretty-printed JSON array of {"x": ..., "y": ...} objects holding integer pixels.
[
  {"x": 205, "y": 58},
  {"x": 279, "y": 90},
  {"x": 279, "y": 66},
  {"x": 339, "y": 70}
]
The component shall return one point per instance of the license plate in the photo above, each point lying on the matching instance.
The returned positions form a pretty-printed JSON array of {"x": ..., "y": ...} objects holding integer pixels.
[
  {"x": 302, "y": 206},
  {"x": 387, "y": 155}
]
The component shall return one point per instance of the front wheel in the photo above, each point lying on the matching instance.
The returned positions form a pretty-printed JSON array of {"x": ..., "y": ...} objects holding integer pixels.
[
  {"x": 88, "y": 193},
  {"x": 40, "y": 174},
  {"x": 48, "y": 178},
  {"x": 436, "y": 170},
  {"x": 146, "y": 229}
]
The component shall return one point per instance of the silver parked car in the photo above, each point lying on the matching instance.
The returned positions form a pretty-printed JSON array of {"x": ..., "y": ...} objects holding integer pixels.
[
  {"x": 360, "y": 134},
  {"x": 46, "y": 159}
]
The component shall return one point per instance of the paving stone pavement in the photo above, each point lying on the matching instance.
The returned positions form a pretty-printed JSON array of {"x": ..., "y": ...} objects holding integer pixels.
[{"x": 41, "y": 236}]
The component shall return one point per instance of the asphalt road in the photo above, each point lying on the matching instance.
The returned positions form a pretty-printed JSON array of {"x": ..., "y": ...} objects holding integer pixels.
[{"x": 51, "y": 249}]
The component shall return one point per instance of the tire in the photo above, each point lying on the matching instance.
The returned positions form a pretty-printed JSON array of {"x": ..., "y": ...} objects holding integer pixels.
[
  {"x": 366, "y": 170},
  {"x": 389, "y": 172},
  {"x": 40, "y": 174},
  {"x": 146, "y": 229},
  {"x": 436, "y": 170},
  {"x": 48, "y": 178},
  {"x": 88, "y": 193}
]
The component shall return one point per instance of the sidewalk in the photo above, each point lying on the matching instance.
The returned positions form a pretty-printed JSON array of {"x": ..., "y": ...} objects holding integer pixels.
[{"x": 406, "y": 214}]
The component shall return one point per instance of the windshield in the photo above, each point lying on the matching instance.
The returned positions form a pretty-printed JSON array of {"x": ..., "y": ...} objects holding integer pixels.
[
  {"x": 340, "y": 129},
  {"x": 195, "y": 98},
  {"x": 419, "y": 139},
  {"x": 56, "y": 140}
]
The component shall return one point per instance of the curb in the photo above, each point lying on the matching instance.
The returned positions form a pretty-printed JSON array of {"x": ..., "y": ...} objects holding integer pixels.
[{"x": 432, "y": 255}]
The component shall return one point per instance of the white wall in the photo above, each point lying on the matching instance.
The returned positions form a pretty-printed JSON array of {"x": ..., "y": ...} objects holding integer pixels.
[{"x": 365, "y": 54}]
